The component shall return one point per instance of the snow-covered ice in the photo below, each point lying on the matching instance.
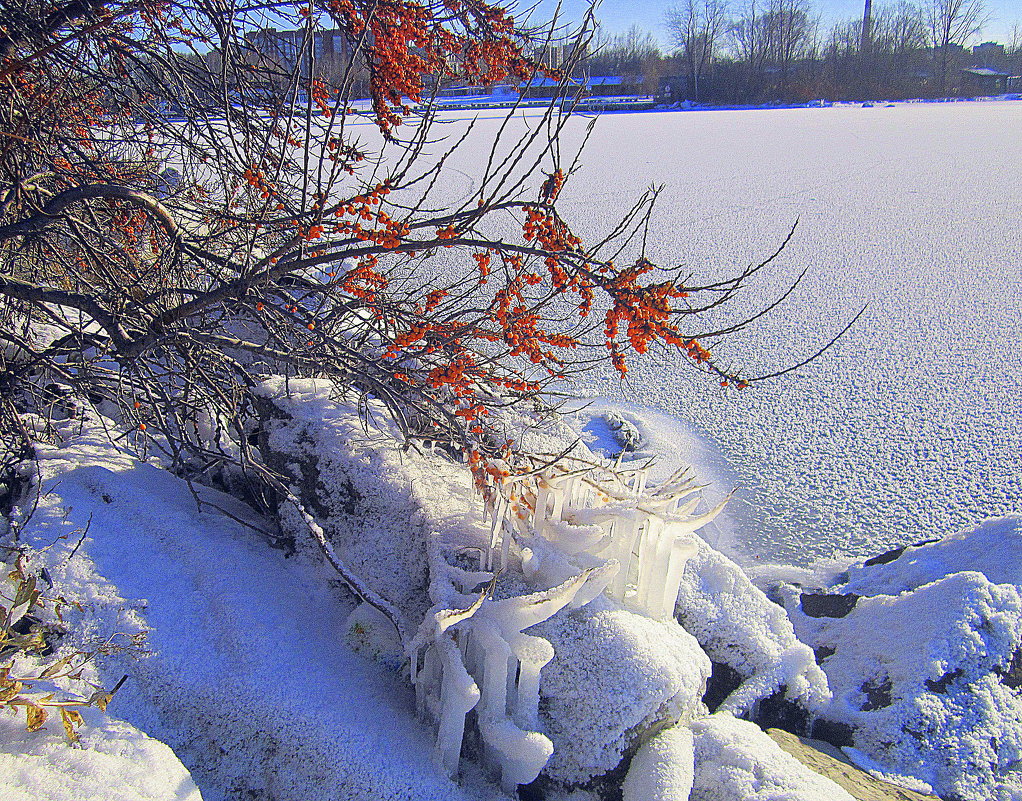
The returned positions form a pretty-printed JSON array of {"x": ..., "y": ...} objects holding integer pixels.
[{"x": 911, "y": 426}]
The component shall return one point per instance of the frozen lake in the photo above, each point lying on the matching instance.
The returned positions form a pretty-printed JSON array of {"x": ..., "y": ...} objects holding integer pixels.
[{"x": 910, "y": 427}]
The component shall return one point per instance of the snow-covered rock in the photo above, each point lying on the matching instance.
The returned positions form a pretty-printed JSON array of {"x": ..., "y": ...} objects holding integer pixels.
[
  {"x": 738, "y": 626},
  {"x": 929, "y": 681},
  {"x": 663, "y": 768},
  {"x": 860, "y": 778},
  {"x": 737, "y": 761},
  {"x": 615, "y": 677},
  {"x": 377, "y": 502},
  {"x": 993, "y": 548}
]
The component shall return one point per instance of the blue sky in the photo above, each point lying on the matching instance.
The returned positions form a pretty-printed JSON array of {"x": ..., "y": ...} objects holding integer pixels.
[{"x": 618, "y": 15}]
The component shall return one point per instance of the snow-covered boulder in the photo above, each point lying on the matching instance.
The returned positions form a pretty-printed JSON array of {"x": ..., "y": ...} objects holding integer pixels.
[
  {"x": 861, "y": 777},
  {"x": 993, "y": 548},
  {"x": 376, "y": 502},
  {"x": 663, "y": 768},
  {"x": 929, "y": 681},
  {"x": 737, "y": 761},
  {"x": 740, "y": 628},
  {"x": 616, "y": 676}
]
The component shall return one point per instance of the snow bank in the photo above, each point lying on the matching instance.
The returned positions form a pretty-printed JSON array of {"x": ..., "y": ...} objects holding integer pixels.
[
  {"x": 248, "y": 679},
  {"x": 116, "y": 762},
  {"x": 929, "y": 682},
  {"x": 737, "y": 625},
  {"x": 737, "y": 761}
]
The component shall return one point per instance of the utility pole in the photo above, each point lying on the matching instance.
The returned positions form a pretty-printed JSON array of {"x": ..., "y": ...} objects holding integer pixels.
[
  {"x": 865, "y": 50},
  {"x": 867, "y": 28}
]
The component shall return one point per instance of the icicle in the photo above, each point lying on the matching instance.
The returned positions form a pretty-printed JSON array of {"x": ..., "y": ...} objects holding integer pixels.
[
  {"x": 480, "y": 658},
  {"x": 458, "y": 696},
  {"x": 648, "y": 542},
  {"x": 497, "y": 525},
  {"x": 573, "y": 539},
  {"x": 533, "y": 654},
  {"x": 682, "y": 549},
  {"x": 629, "y": 530},
  {"x": 541, "y": 515}
]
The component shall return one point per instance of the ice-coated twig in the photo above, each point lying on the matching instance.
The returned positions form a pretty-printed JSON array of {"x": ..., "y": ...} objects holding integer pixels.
[
  {"x": 350, "y": 577},
  {"x": 475, "y": 653},
  {"x": 606, "y": 512}
]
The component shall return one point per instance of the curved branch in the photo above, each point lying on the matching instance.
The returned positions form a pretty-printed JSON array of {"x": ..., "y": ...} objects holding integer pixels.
[{"x": 59, "y": 203}]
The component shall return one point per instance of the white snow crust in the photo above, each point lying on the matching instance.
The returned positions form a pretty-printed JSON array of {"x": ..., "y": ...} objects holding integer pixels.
[
  {"x": 614, "y": 674},
  {"x": 116, "y": 763},
  {"x": 993, "y": 548},
  {"x": 911, "y": 426},
  {"x": 736, "y": 624}
]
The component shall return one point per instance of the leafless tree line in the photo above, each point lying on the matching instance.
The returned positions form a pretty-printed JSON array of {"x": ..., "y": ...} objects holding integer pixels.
[{"x": 757, "y": 50}]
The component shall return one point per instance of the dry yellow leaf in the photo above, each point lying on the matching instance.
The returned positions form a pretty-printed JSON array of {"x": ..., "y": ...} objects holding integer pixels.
[
  {"x": 9, "y": 690},
  {"x": 101, "y": 699},
  {"x": 35, "y": 717},
  {"x": 71, "y": 718}
]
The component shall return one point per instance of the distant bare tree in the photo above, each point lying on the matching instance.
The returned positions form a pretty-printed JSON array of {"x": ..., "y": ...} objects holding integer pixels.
[
  {"x": 1015, "y": 43},
  {"x": 900, "y": 29},
  {"x": 622, "y": 53},
  {"x": 774, "y": 35},
  {"x": 697, "y": 27},
  {"x": 952, "y": 23},
  {"x": 898, "y": 39}
]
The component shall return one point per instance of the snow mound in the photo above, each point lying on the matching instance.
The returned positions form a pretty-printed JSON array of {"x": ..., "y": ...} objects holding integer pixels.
[
  {"x": 615, "y": 675},
  {"x": 116, "y": 762},
  {"x": 662, "y": 769},
  {"x": 737, "y": 761},
  {"x": 249, "y": 679},
  {"x": 929, "y": 682},
  {"x": 737, "y": 625},
  {"x": 993, "y": 548}
]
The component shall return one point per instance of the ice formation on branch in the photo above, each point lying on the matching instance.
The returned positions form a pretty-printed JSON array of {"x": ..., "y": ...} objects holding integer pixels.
[
  {"x": 578, "y": 533},
  {"x": 608, "y": 514},
  {"x": 478, "y": 657}
]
